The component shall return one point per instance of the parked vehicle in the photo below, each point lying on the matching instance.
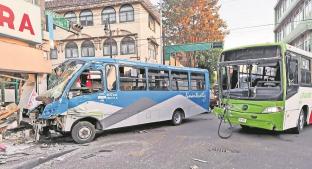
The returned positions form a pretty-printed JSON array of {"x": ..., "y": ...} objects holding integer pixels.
[
  {"x": 267, "y": 86},
  {"x": 214, "y": 96},
  {"x": 100, "y": 94}
]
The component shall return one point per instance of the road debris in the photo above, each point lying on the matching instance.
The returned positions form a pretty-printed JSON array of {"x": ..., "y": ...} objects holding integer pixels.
[
  {"x": 88, "y": 156},
  {"x": 199, "y": 160},
  {"x": 44, "y": 145},
  {"x": 141, "y": 131},
  {"x": 3, "y": 148},
  {"x": 105, "y": 151},
  {"x": 194, "y": 167},
  {"x": 8, "y": 117}
]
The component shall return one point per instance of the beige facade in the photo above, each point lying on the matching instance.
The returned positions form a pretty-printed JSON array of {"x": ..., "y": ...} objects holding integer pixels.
[{"x": 135, "y": 29}]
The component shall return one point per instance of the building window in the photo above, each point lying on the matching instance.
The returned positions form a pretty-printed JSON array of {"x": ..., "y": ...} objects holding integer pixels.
[
  {"x": 127, "y": 46},
  {"x": 106, "y": 47},
  {"x": 109, "y": 13},
  {"x": 86, "y": 18},
  {"x": 151, "y": 23},
  {"x": 126, "y": 13},
  {"x": 152, "y": 50},
  {"x": 71, "y": 16},
  {"x": 87, "y": 49},
  {"x": 71, "y": 50},
  {"x": 53, "y": 54}
]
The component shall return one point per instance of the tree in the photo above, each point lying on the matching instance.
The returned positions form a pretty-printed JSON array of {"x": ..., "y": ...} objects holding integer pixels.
[
  {"x": 191, "y": 21},
  {"x": 209, "y": 60}
]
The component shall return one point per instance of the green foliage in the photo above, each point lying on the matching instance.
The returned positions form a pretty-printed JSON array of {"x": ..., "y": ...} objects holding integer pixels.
[{"x": 209, "y": 60}]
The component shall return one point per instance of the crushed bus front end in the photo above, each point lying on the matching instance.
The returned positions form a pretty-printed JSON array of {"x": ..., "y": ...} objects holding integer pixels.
[{"x": 267, "y": 115}]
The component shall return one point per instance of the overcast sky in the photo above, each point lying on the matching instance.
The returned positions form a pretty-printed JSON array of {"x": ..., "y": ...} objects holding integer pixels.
[{"x": 246, "y": 13}]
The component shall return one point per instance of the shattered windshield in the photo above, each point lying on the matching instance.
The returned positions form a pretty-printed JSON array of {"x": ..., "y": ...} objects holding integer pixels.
[
  {"x": 60, "y": 76},
  {"x": 259, "y": 81}
]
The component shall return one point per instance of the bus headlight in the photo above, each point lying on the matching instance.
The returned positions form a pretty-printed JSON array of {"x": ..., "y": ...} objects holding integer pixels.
[{"x": 272, "y": 110}]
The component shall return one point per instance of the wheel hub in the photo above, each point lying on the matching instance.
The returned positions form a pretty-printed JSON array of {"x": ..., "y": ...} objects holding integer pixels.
[
  {"x": 177, "y": 118},
  {"x": 301, "y": 121},
  {"x": 84, "y": 133}
]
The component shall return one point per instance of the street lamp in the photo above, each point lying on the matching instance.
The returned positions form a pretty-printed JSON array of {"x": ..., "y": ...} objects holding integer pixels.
[{"x": 107, "y": 28}]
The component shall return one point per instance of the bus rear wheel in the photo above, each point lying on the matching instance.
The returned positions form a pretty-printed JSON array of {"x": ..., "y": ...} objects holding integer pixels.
[
  {"x": 300, "y": 123},
  {"x": 177, "y": 118},
  {"x": 83, "y": 132}
]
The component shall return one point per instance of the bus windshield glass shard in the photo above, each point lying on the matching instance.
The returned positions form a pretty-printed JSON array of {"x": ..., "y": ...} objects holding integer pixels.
[{"x": 253, "y": 80}]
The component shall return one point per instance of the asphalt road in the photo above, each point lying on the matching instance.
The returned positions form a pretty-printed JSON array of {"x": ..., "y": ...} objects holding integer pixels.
[{"x": 162, "y": 146}]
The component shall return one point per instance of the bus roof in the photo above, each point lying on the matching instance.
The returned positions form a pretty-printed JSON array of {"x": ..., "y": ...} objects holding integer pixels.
[
  {"x": 124, "y": 61},
  {"x": 256, "y": 45},
  {"x": 281, "y": 44}
]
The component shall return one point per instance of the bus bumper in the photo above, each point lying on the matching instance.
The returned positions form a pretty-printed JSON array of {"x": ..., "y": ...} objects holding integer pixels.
[{"x": 272, "y": 121}]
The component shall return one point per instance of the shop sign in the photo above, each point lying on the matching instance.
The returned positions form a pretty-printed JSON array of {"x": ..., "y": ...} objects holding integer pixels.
[{"x": 20, "y": 20}]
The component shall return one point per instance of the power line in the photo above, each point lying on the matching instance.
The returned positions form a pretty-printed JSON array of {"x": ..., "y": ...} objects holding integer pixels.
[{"x": 266, "y": 25}]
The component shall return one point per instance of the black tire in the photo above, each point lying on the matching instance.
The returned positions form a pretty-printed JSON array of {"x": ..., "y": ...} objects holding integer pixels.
[
  {"x": 83, "y": 132},
  {"x": 300, "y": 123},
  {"x": 177, "y": 118}
]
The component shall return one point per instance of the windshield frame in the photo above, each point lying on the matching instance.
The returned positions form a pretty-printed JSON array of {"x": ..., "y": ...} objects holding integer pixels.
[
  {"x": 225, "y": 94},
  {"x": 57, "y": 91}
]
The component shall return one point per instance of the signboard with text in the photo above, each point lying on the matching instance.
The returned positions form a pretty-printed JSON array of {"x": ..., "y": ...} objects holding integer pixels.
[{"x": 20, "y": 20}]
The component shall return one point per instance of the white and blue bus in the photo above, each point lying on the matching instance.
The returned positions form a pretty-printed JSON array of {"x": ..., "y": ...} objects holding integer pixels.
[{"x": 86, "y": 95}]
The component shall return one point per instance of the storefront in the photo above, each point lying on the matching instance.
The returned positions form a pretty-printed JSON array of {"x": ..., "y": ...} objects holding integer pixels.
[{"x": 22, "y": 59}]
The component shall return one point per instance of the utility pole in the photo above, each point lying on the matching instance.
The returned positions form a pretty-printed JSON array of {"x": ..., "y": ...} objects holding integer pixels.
[
  {"x": 107, "y": 28},
  {"x": 162, "y": 55}
]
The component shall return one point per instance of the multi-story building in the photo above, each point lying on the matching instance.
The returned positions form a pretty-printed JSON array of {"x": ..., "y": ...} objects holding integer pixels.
[
  {"x": 293, "y": 23},
  {"x": 135, "y": 26}
]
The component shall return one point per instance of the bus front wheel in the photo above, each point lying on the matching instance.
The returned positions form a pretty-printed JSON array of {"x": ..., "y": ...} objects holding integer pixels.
[
  {"x": 300, "y": 123},
  {"x": 83, "y": 132},
  {"x": 177, "y": 118}
]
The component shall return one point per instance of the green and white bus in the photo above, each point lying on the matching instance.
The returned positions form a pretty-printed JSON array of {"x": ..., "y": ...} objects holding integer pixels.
[{"x": 266, "y": 86}]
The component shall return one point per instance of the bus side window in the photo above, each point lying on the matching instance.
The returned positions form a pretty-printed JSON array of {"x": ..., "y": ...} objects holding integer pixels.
[
  {"x": 198, "y": 81},
  {"x": 111, "y": 78},
  {"x": 292, "y": 77},
  {"x": 158, "y": 80},
  {"x": 89, "y": 81},
  {"x": 293, "y": 72},
  {"x": 179, "y": 81},
  {"x": 132, "y": 78}
]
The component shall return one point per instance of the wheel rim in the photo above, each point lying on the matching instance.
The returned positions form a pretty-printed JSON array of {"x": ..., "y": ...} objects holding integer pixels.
[
  {"x": 301, "y": 121},
  {"x": 177, "y": 118},
  {"x": 84, "y": 133}
]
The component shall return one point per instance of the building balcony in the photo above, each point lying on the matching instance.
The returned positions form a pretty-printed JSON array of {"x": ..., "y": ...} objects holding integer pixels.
[
  {"x": 301, "y": 28},
  {"x": 288, "y": 11}
]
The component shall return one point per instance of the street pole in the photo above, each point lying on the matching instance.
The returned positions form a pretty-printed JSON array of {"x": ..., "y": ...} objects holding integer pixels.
[
  {"x": 110, "y": 43},
  {"x": 162, "y": 54},
  {"x": 107, "y": 27}
]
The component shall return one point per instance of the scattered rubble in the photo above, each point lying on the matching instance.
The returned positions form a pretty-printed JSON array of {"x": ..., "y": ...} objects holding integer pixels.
[
  {"x": 199, "y": 160},
  {"x": 88, "y": 156},
  {"x": 194, "y": 167},
  {"x": 8, "y": 117}
]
